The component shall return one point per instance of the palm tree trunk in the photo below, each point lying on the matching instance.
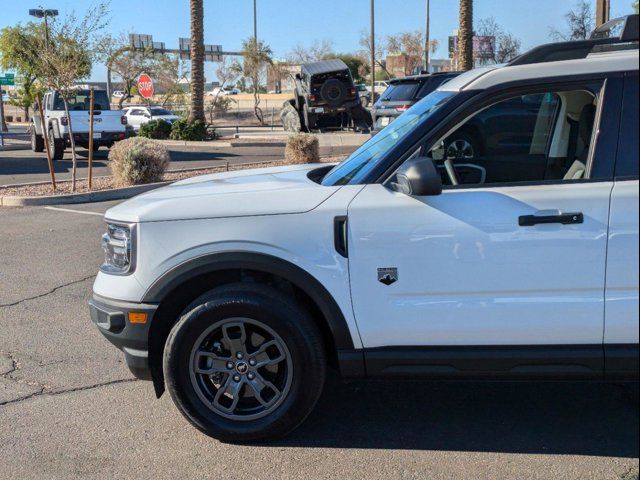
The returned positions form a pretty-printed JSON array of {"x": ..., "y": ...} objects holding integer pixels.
[
  {"x": 197, "y": 61},
  {"x": 465, "y": 35}
]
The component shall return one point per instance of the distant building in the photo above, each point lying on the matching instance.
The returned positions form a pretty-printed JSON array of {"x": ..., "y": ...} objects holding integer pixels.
[
  {"x": 400, "y": 64},
  {"x": 281, "y": 77},
  {"x": 440, "y": 65}
]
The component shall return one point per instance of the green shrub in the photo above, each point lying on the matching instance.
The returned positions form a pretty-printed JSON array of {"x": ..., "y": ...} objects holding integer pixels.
[
  {"x": 302, "y": 148},
  {"x": 189, "y": 131},
  {"x": 137, "y": 160},
  {"x": 157, "y": 129}
]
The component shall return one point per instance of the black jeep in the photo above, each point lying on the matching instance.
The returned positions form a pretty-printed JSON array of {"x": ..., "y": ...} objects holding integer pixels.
[{"x": 325, "y": 96}]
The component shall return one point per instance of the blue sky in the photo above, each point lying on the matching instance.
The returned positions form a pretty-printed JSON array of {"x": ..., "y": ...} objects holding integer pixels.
[{"x": 285, "y": 23}]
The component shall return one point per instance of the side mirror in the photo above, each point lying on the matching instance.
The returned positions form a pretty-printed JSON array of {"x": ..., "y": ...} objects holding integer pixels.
[{"x": 418, "y": 177}]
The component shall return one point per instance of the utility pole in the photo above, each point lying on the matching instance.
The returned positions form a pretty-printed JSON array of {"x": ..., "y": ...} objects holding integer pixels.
[
  {"x": 373, "y": 55},
  {"x": 426, "y": 40},
  {"x": 255, "y": 23},
  {"x": 603, "y": 8}
]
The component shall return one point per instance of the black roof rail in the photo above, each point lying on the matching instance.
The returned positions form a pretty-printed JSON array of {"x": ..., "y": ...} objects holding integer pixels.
[{"x": 623, "y": 30}]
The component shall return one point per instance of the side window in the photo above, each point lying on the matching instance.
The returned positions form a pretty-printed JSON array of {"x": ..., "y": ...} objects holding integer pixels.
[
  {"x": 538, "y": 137},
  {"x": 627, "y": 159}
]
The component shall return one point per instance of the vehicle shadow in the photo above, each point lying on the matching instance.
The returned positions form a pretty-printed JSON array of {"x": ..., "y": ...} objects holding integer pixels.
[{"x": 543, "y": 418}]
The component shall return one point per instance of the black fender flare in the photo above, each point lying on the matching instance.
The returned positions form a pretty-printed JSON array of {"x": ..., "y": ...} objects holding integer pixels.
[{"x": 210, "y": 263}]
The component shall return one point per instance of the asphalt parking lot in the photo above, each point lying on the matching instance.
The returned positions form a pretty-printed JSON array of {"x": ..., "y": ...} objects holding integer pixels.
[{"x": 69, "y": 407}]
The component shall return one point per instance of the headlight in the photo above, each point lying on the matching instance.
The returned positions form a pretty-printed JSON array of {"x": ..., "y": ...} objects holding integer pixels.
[{"x": 117, "y": 244}]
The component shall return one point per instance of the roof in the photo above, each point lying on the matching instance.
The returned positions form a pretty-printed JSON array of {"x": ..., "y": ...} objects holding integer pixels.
[
  {"x": 422, "y": 76},
  {"x": 485, "y": 77},
  {"x": 325, "y": 66}
]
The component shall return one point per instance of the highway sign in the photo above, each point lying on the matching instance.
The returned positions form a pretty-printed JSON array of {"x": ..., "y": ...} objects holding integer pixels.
[{"x": 8, "y": 79}]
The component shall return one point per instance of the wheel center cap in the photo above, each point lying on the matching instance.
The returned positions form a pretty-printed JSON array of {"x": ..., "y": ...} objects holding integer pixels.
[{"x": 242, "y": 368}]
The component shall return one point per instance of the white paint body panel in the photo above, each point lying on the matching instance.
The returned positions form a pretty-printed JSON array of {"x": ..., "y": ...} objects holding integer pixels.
[
  {"x": 302, "y": 239},
  {"x": 621, "y": 320},
  {"x": 470, "y": 275},
  {"x": 265, "y": 191},
  {"x": 486, "y": 77}
]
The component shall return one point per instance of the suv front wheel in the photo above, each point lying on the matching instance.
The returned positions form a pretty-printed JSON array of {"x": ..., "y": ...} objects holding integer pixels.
[{"x": 245, "y": 362}]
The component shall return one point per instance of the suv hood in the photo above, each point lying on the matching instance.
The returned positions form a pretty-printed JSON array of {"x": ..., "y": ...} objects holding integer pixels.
[{"x": 265, "y": 191}]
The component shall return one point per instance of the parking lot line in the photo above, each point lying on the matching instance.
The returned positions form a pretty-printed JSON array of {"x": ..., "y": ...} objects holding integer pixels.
[{"x": 75, "y": 211}]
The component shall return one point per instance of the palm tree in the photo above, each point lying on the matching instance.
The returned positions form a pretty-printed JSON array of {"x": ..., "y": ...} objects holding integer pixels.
[
  {"x": 465, "y": 35},
  {"x": 197, "y": 61}
]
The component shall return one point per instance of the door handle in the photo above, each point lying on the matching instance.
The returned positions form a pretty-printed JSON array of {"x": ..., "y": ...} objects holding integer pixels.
[{"x": 562, "y": 218}]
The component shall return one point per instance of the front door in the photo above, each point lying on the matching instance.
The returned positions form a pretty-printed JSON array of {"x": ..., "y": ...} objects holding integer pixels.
[{"x": 501, "y": 263}]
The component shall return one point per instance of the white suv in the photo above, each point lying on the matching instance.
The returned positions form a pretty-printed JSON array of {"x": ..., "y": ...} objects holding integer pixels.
[{"x": 237, "y": 291}]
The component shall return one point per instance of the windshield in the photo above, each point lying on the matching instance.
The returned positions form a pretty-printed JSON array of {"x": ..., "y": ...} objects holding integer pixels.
[
  {"x": 79, "y": 100},
  {"x": 159, "y": 111},
  {"x": 365, "y": 158},
  {"x": 398, "y": 92}
]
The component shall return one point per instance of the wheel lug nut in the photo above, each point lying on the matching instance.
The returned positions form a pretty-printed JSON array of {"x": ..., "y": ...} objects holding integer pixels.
[
  {"x": 236, "y": 378},
  {"x": 239, "y": 355},
  {"x": 251, "y": 375},
  {"x": 229, "y": 365},
  {"x": 252, "y": 362}
]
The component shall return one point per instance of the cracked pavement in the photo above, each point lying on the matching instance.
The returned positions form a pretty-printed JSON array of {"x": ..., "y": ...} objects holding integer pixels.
[{"x": 69, "y": 408}]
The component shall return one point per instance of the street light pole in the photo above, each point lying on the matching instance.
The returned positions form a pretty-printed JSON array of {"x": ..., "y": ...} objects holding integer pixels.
[
  {"x": 373, "y": 55},
  {"x": 426, "y": 40},
  {"x": 255, "y": 22},
  {"x": 45, "y": 14}
]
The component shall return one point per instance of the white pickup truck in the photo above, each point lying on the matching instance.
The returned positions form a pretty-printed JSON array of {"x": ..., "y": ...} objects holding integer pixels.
[{"x": 108, "y": 126}]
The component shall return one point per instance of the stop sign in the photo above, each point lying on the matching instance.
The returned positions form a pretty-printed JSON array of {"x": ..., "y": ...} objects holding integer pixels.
[{"x": 145, "y": 86}]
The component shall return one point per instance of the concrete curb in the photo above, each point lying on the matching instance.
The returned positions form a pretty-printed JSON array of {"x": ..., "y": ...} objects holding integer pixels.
[
  {"x": 12, "y": 148},
  {"x": 184, "y": 143},
  {"x": 101, "y": 196}
]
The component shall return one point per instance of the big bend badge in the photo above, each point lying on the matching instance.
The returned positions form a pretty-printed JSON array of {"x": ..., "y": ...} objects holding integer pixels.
[{"x": 388, "y": 275}]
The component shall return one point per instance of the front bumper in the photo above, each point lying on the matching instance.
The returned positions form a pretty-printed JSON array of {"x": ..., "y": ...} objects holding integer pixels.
[{"x": 112, "y": 319}]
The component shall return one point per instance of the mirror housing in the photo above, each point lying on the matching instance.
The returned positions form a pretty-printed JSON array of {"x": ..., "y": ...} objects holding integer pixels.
[{"x": 418, "y": 177}]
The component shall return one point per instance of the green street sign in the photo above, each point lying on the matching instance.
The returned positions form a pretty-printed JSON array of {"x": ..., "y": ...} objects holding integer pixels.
[{"x": 8, "y": 79}]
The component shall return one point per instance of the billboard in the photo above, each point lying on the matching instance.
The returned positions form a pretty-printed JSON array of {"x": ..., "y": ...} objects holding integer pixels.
[{"x": 484, "y": 46}]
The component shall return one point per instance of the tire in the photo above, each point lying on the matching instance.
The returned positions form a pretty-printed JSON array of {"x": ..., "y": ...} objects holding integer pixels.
[
  {"x": 334, "y": 92},
  {"x": 261, "y": 313},
  {"x": 310, "y": 120},
  {"x": 297, "y": 101},
  {"x": 462, "y": 146},
  {"x": 37, "y": 142},
  {"x": 56, "y": 146}
]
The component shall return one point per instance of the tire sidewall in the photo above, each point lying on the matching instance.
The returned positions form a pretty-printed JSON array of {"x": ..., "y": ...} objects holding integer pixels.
[{"x": 307, "y": 360}]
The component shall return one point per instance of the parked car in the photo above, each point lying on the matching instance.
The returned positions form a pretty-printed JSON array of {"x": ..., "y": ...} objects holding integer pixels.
[
  {"x": 222, "y": 91},
  {"x": 325, "y": 95},
  {"x": 108, "y": 126},
  {"x": 365, "y": 94},
  {"x": 237, "y": 291},
  {"x": 140, "y": 115},
  {"x": 402, "y": 93},
  {"x": 379, "y": 86},
  {"x": 118, "y": 94}
]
